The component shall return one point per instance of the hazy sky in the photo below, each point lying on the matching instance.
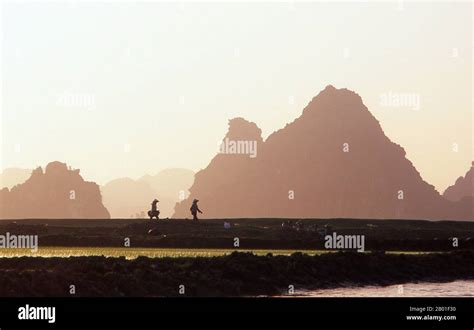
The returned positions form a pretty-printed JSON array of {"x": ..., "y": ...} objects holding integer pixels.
[{"x": 123, "y": 89}]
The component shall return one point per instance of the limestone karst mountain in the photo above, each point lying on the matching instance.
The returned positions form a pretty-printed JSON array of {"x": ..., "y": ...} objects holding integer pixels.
[
  {"x": 56, "y": 192},
  {"x": 128, "y": 198},
  {"x": 463, "y": 187},
  {"x": 332, "y": 161}
]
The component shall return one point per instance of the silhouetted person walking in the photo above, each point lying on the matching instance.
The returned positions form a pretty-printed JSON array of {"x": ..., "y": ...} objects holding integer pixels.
[
  {"x": 154, "y": 212},
  {"x": 195, "y": 209}
]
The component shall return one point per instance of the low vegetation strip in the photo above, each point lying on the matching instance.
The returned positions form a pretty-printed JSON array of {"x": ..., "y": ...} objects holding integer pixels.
[{"x": 132, "y": 253}]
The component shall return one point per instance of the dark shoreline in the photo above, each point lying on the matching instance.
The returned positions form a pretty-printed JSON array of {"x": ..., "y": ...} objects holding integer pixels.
[{"x": 238, "y": 274}]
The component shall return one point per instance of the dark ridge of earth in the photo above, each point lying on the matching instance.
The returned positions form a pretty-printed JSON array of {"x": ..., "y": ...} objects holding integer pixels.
[
  {"x": 399, "y": 235},
  {"x": 238, "y": 274}
]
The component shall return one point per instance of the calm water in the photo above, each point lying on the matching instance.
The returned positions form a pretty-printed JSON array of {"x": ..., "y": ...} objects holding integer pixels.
[{"x": 424, "y": 289}]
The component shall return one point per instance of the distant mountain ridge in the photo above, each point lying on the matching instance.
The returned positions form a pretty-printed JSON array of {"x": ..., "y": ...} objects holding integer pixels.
[
  {"x": 333, "y": 161},
  {"x": 463, "y": 187},
  {"x": 10, "y": 177},
  {"x": 128, "y": 198}
]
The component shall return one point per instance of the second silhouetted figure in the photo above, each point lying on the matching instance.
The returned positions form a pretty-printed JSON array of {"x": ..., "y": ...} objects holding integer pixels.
[{"x": 195, "y": 209}]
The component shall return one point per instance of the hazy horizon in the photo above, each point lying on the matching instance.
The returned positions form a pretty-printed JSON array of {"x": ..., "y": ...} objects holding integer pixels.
[{"x": 124, "y": 90}]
